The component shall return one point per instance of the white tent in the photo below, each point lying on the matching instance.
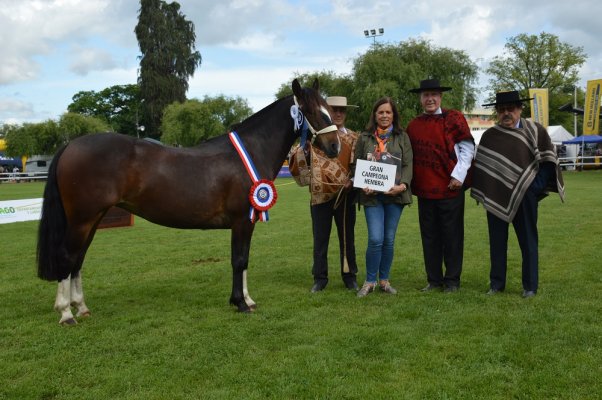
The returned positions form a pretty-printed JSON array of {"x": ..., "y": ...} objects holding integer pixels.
[{"x": 558, "y": 134}]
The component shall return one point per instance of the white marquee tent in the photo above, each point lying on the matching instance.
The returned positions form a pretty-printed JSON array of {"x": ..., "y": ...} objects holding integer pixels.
[{"x": 558, "y": 134}]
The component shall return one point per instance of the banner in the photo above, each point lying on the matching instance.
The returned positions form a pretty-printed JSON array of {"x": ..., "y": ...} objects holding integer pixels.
[
  {"x": 591, "y": 112},
  {"x": 20, "y": 210},
  {"x": 539, "y": 106}
]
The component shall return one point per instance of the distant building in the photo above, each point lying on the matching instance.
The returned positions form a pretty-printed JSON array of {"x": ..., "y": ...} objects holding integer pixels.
[{"x": 479, "y": 118}]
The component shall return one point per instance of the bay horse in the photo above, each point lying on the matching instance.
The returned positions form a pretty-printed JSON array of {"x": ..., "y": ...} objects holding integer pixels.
[{"x": 203, "y": 187}]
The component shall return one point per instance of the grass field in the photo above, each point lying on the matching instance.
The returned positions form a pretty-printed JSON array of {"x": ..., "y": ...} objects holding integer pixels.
[{"x": 161, "y": 326}]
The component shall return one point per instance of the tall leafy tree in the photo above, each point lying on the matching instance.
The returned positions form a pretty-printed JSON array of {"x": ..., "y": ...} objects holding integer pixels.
[
  {"x": 538, "y": 61},
  {"x": 46, "y": 137},
  {"x": 118, "y": 105},
  {"x": 167, "y": 43},
  {"x": 392, "y": 70},
  {"x": 72, "y": 125},
  {"x": 187, "y": 124}
]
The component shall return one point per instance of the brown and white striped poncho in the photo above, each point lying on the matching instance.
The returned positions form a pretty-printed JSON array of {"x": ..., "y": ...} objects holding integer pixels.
[{"x": 506, "y": 162}]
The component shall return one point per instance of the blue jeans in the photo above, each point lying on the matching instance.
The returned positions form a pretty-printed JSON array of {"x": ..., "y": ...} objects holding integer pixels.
[{"x": 382, "y": 221}]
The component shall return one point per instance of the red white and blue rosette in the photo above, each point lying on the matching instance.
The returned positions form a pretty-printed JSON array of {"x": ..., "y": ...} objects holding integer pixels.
[
  {"x": 263, "y": 195},
  {"x": 263, "y": 192}
]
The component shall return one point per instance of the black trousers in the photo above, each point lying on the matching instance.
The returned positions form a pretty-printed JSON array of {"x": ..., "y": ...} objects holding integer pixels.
[
  {"x": 525, "y": 226},
  {"x": 442, "y": 231},
  {"x": 344, "y": 217}
]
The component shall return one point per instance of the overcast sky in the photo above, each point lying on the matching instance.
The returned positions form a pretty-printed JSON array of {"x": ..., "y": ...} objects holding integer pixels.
[{"x": 52, "y": 49}]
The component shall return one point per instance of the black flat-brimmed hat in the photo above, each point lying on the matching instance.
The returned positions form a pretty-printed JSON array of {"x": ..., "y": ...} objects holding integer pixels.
[
  {"x": 506, "y": 98},
  {"x": 430, "y": 85}
]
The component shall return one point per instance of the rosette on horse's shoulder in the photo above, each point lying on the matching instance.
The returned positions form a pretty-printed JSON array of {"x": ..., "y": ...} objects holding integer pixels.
[{"x": 263, "y": 195}]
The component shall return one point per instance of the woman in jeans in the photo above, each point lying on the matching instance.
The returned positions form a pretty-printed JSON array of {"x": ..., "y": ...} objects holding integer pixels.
[{"x": 384, "y": 136}]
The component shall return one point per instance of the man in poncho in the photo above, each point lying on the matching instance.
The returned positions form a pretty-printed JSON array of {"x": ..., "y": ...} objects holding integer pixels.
[{"x": 515, "y": 166}]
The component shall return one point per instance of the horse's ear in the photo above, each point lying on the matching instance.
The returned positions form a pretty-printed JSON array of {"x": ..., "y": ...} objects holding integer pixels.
[
  {"x": 316, "y": 85},
  {"x": 297, "y": 91}
]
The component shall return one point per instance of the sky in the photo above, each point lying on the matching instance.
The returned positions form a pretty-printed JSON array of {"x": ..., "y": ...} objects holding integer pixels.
[{"x": 52, "y": 49}]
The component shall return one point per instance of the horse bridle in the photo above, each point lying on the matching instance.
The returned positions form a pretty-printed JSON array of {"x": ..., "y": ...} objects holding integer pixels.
[{"x": 303, "y": 125}]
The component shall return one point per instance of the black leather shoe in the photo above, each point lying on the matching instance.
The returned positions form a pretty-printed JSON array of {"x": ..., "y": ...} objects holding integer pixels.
[
  {"x": 528, "y": 293},
  {"x": 429, "y": 288},
  {"x": 317, "y": 287},
  {"x": 451, "y": 289},
  {"x": 351, "y": 285}
]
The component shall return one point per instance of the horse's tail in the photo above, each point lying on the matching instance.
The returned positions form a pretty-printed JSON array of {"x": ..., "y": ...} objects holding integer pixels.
[{"x": 52, "y": 229}]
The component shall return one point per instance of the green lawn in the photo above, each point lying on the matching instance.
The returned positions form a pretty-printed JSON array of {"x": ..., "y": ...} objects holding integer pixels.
[{"x": 161, "y": 326}]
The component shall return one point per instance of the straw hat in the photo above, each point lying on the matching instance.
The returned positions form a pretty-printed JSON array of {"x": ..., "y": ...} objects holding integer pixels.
[{"x": 338, "y": 101}]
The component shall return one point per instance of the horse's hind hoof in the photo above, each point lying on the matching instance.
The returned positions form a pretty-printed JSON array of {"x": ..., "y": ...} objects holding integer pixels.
[
  {"x": 84, "y": 314},
  {"x": 69, "y": 322}
]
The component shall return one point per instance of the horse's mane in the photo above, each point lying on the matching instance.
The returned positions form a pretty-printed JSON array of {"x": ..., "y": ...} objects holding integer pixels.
[{"x": 259, "y": 115}]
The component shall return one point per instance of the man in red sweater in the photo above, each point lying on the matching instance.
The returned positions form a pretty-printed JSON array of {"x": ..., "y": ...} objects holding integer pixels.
[{"x": 443, "y": 150}]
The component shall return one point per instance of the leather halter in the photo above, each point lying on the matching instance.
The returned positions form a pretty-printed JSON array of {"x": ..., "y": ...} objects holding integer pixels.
[{"x": 302, "y": 124}]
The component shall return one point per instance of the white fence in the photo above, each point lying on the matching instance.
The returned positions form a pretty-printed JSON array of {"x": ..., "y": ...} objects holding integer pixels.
[
  {"x": 579, "y": 163},
  {"x": 22, "y": 176}
]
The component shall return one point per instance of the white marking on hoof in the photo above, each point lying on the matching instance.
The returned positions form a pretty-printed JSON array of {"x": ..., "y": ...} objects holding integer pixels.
[
  {"x": 248, "y": 300},
  {"x": 62, "y": 304}
]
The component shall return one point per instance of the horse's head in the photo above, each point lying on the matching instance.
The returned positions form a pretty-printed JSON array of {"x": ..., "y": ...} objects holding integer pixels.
[{"x": 317, "y": 117}]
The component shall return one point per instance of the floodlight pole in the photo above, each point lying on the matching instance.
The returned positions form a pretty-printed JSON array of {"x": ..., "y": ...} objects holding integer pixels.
[{"x": 373, "y": 33}]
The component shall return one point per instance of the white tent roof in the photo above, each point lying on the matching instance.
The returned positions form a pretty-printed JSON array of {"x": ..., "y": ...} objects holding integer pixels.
[{"x": 557, "y": 134}]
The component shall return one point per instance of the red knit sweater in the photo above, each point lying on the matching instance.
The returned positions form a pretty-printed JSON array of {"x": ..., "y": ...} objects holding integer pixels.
[{"x": 433, "y": 137}]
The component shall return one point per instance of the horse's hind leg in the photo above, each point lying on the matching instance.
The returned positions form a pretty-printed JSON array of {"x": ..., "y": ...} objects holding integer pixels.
[
  {"x": 77, "y": 296},
  {"x": 70, "y": 291},
  {"x": 68, "y": 294},
  {"x": 62, "y": 304},
  {"x": 241, "y": 244}
]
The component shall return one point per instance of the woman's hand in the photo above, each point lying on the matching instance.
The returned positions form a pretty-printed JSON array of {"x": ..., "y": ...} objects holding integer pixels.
[
  {"x": 397, "y": 189},
  {"x": 368, "y": 191}
]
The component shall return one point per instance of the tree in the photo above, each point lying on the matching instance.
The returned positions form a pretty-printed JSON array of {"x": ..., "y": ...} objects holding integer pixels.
[
  {"x": 72, "y": 125},
  {"x": 331, "y": 84},
  {"x": 392, "y": 70},
  {"x": 46, "y": 137},
  {"x": 538, "y": 61},
  {"x": 118, "y": 105},
  {"x": 33, "y": 138},
  {"x": 166, "y": 40},
  {"x": 187, "y": 124}
]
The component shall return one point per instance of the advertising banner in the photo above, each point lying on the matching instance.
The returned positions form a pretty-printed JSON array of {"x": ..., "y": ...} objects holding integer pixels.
[
  {"x": 20, "y": 210},
  {"x": 591, "y": 111},
  {"x": 540, "y": 106}
]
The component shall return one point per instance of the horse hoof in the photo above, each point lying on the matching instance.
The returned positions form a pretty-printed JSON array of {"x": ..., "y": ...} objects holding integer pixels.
[
  {"x": 253, "y": 307},
  {"x": 68, "y": 322},
  {"x": 84, "y": 314}
]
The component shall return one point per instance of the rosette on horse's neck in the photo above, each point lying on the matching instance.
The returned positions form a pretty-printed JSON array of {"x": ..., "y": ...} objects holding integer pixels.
[
  {"x": 263, "y": 192},
  {"x": 302, "y": 124}
]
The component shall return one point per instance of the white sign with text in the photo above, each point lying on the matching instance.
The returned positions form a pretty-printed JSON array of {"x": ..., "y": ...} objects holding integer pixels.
[
  {"x": 374, "y": 175},
  {"x": 20, "y": 210}
]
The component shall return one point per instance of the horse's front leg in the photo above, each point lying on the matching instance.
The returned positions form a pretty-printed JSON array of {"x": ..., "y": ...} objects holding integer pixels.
[{"x": 241, "y": 244}]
